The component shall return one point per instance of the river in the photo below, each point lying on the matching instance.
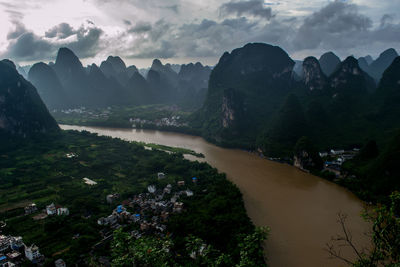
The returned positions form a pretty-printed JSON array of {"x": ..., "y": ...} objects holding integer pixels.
[{"x": 300, "y": 208}]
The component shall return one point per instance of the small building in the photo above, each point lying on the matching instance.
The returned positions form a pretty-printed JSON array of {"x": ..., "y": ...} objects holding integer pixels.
[
  {"x": 323, "y": 154},
  {"x": 161, "y": 175},
  {"x": 30, "y": 209},
  {"x": 89, "y": 181},
  {"x": 178, "y": 207},
  {"x": 32, "y": 253},
  {"x": 181, "y": 183},
  {"x": 111, "y": 198},
  {"x": 189, "y": 193},
  {"x": 120, "y": 209},
  {"x": 62, "y": 211},
  {"x": 16, "y": 243},
  {"x": 144, "y": 226},
  {"x": 3, "y": 260},
  {"x": 102, "y": 221},
  {"x": 71, "y": 155},
  {"x": 337, "y": 151},
  {"x": 4, "y": 243},
  {"x": 60, "y": 263},
  {"x": 14, "y": 256},
  {"x": 136, "y": 217},
  {"x": 51, "y": 209},
  {"x": 151, "y": 189},
  {"x": 7, "y": 264},
  {"x": 167, "y": 190}
]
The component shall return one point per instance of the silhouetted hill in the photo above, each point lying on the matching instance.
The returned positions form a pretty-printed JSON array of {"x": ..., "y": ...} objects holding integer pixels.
[
  {"x": 73, "y": 77},
  {"x": 329, "y": 62},
  {"x": 362, "y": 62},
  {"x": 193, "y": 84},
  {"x": 22, "y": 110},
  {"x": 377, "y": 67},
  {"x": 141, "y": 92},
  {"x": 245, "y": 104},
  {"x": 350, "y": 79},
  {"x": 245, "y": 87},
  {"x": 49, "y": 87}
]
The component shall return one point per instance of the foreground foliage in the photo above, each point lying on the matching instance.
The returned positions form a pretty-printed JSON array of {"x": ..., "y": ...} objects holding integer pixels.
[
  {"x": 151, "y": 251},
  {"x": 385, "y": 235}
]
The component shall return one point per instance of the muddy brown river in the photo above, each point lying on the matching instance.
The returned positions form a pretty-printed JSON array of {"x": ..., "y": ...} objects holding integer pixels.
[{"x": 301, "y": 209}]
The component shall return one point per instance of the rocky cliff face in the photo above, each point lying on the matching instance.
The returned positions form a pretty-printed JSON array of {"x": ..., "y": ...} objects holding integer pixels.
[
  {"x": 350, "y": 78},
  {"x": 228, "y": 111},
  {"x": 243, "y": 90},
  {"x": 313, "y": 76},
  {"x": 22, "y": 111}
]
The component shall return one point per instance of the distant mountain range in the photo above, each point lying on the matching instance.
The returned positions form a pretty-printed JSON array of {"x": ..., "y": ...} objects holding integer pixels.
[
  {"x": 257, "y": 96},
  {"x": 66, "y": 83},
  {"x": 255, "y": 101}
]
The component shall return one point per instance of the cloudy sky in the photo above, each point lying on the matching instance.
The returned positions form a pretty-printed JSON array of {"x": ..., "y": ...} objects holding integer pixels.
[{"x": 179, "y": 31}]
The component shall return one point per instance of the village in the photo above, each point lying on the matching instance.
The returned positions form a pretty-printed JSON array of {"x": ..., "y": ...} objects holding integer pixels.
[
  {"x": 85, "y": 112},
  {"x": 334, "y": 159},
  {"x": 166, "y": 121},
  {"x": 149, "y": 211},
  {"x": 13, "y": 251}
]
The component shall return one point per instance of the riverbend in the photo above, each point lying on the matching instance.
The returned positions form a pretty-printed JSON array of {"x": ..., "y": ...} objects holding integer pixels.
[{"x": 300, "y": 208}]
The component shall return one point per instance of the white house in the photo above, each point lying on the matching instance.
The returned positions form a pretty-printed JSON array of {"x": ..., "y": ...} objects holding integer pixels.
[
  {"x": 32, "y": 253},
  {"x": 151, "y": 188},
  {"x": 62, "y": 211},
  {"x": 161, "y": 175},
  {"x": 60, "y": 263},
  {"x": 51, "y": 209},
  {"x": 189, "y": 192}
]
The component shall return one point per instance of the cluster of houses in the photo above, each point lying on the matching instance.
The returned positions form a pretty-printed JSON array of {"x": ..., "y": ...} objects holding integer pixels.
[
  {"x": 150, "y": 210},
  {"x": 167, "y": 121},
  {"x": 336, "y": 159},
  {"x": 51, "y": 209},
  {"x": 56, "y": 210},
  {"x": 13, "y": 251},
  {"x": 87, "y": 113}
]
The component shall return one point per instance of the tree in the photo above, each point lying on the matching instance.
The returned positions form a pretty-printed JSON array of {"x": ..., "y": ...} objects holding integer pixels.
[{"x": 385, "y": 237}]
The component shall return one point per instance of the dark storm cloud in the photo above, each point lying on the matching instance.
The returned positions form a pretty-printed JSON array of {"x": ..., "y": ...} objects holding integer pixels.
[
  {"x": 387, "y": 32},
  {"x": 386, "y": 19},
  {"x": 206, "y": 38},
  {"x": 334, "y": 25},
  {"x": 62, "y": 31},
  {"x": 26, "y": 45},
  {"x": 18, "y": 30},
  {"x": 255, "y": 8},
  {"x": 163, "y": 50},
  {"x": 87, "y": 43}
]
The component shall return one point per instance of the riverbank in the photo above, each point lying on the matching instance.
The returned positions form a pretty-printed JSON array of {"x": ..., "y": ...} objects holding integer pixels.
[
  {"x": 300, "y": 208},
  {"x": 70, "y": 191}
]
